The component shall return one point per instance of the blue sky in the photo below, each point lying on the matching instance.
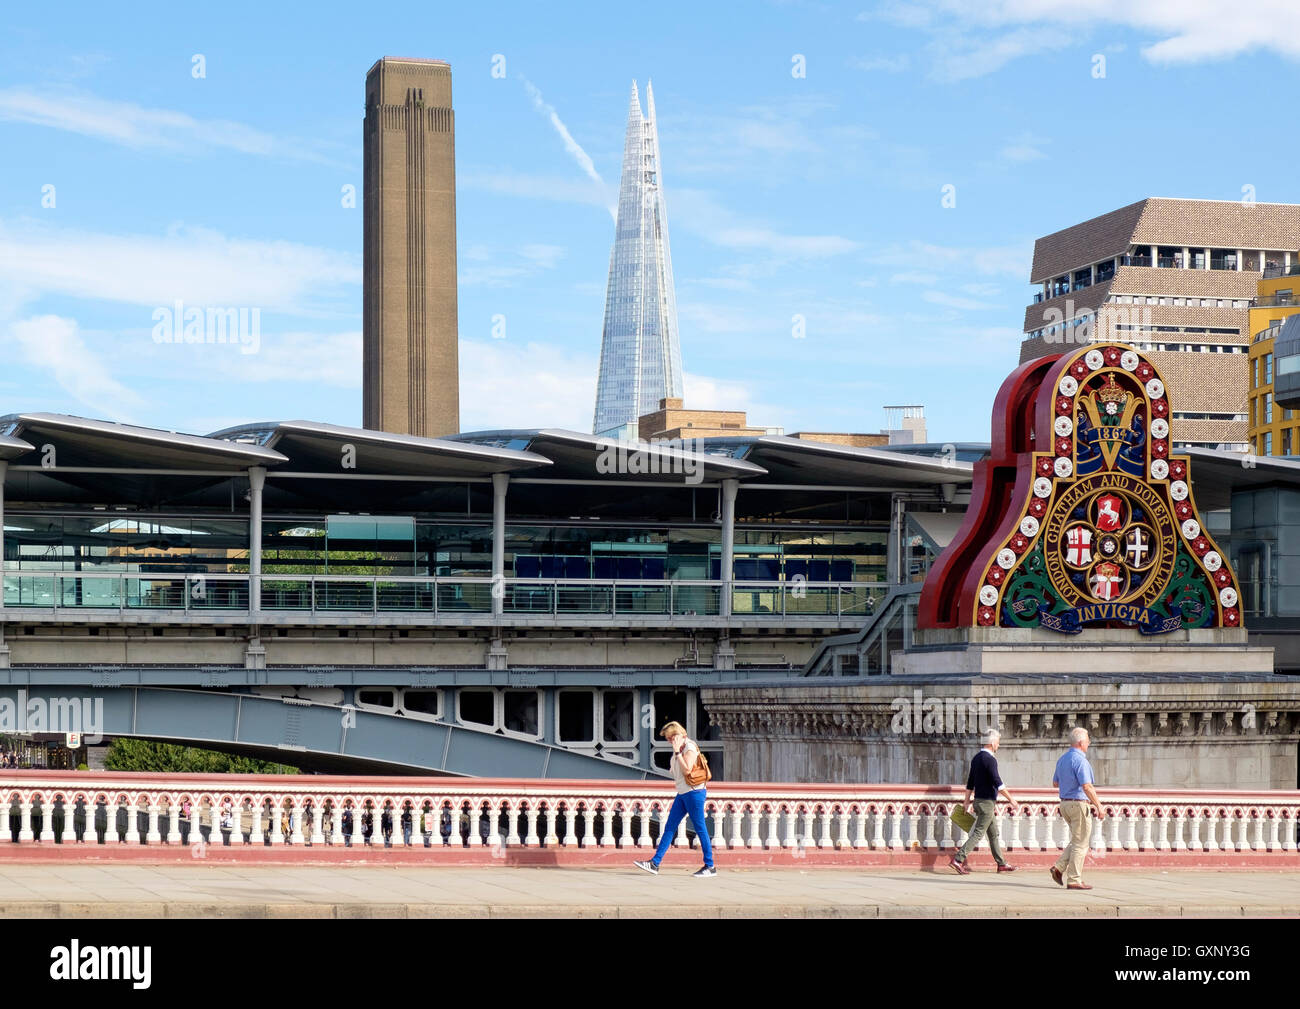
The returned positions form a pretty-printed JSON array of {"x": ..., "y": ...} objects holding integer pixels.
[{"x": 816, "y": 196}]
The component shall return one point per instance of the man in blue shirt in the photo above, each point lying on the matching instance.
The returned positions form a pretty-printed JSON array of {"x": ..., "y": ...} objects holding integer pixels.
[
  {"x": 984, "y": 783},
  {"x": 1073, "y": 777}
]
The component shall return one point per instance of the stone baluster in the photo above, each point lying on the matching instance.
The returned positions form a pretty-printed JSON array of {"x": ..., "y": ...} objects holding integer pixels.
[
  {"x": 318, "y": 823},
  {"x": 878, "y": 828},
  {"x": 808, "y": 840},
  {"x": 895, "y": 830},
  {"x": 133, "y": 823},
  {"x": 1148, "y": 825},
  {"x": 946, "y": 840},
  {"x": 277, "y": 831},
  {"x": 589, "y": 824},
  {"x": 737, "y": 818},
  {"x": 625, "y": 839},
  {"x": 681, "y": 840},
  {"x": 173, "y": 821},
  {"x": 152, "y": 836},
  {"x": 912, "y": 819},
  {"x": 774, "y": 832},
  {"x": 336, "y": 835},
  {"x": 860, "y": 827},
  {"x": 1129, "y": 842},
  {"x": 791, "y": 826},
  {"x": 1213, "y": 824},
  {"x": 842, "y": 828},
  {"x": 255, "y": 834},
  {"x": 1258, "y": 843},
  {"x": 1013, "y": 841},
  {"x": 295, "y": 824},
  {"x": 531, "y": 839},
  {"x": 718, "y": 835},
  {"x": 25, "y": 822},
  {"x": 570, "y": 837},
  {"x": 643, "y": 814},
  {"x": 70, "y": 820},
  {"x": 47, "y": 820},
  {"x": 1288, "y": 835},
  {"x": 1162, "y": 836},
  {"x": 551, "y": 839},
  {"x": 1097, "y": 842},
  {"x": 1032, "y": 842},
  {"x": 513, "y": 816},
  {"x": 1274, "y": 824}
]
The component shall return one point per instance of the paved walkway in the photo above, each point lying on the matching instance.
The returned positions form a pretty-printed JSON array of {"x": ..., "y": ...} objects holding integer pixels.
[{"x": 188, "y": 891}]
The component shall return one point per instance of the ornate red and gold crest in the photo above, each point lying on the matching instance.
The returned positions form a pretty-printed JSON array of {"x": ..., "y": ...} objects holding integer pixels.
[{"x": 1099, "y": 525}]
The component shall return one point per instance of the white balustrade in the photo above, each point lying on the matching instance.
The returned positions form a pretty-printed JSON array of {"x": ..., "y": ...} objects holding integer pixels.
[{"x": 817, "y": 818}]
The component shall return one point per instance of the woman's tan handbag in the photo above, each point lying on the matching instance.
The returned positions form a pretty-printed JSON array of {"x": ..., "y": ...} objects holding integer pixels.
[{"x": 699, "y": 772}]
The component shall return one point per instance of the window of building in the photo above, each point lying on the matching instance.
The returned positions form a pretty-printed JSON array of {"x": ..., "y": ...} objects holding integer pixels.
[
  {"x": 1268, "y": 408},
  {"x": 1268, "y": 369},
  {"x": 1268, "y": 444},
  {"x": 1286, "y": 440}
]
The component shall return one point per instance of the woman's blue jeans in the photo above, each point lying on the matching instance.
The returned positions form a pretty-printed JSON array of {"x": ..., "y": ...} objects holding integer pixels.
[{"x": 686, "y": 804}]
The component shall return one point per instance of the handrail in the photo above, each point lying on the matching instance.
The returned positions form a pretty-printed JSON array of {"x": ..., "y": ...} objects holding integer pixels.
[{"x": 859, "y": 641}]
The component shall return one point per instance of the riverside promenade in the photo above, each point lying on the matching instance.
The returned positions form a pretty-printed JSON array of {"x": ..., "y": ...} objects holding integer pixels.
[{"x": 54, "y": 890}]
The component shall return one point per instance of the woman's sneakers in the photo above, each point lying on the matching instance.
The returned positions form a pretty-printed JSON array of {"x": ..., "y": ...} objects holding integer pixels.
[
  {"x": 708, "y": 870},
  {"x": 649, "y": 867}
]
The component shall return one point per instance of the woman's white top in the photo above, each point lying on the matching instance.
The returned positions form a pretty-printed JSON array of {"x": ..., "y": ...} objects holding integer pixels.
[{"x": 679, "y": 776}]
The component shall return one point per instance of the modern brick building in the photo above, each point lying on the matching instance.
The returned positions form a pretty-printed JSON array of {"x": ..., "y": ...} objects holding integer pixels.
[
  {"x": 1274, "y": 426},
  {"x": 1176, "y": 279},
  {"x": 411, "y": 378}
]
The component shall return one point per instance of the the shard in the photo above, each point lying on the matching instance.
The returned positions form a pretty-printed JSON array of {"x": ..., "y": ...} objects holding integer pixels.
[{"x": 640, "y": 356}]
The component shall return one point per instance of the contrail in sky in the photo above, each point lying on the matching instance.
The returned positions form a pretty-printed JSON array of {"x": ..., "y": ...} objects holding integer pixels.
[{"x": 572, "y": 146}]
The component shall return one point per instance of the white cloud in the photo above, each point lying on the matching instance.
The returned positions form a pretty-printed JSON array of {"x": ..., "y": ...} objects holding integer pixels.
[
  {"x": 704, "y": 393},
  {"x": 711, "y": 221},
  {"x": 923, "y": 259},
  {"x": 887, "y": 64},
  {"x": 1026, "y": 147},
  {"x": 54, "y": 345},
  {"x": 332, "y": 359},
  {"x": 528, "y": 385},
  {"x": 135, "y": 126},
  {"x": 199, "y": 266},
  {"x": 969, "y": 40}
]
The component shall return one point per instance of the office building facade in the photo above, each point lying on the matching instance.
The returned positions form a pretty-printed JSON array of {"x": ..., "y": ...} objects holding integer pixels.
[
  {"x": 1175, "y": 279},
  {"x": 640, "y": 355}
]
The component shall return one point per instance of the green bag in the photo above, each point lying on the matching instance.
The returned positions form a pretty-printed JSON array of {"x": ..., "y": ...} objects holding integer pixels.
[{"x": 962, "y": 818}]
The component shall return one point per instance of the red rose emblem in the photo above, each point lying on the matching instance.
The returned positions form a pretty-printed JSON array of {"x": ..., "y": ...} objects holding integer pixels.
[
  {"x": 1183, "y": 510},
  {"x": 1045, "y": 467},
  {"x": 1018, "y": 543},
  {"x": 1112, "y": 355},
  {"x": 1080, "y": 368},
  {"x": 1231, "y": 617},
  {"x": 1064, "y": 404},
  {"x": 1145, "y": 371},
  {"x": 1159, "y": 449},
  {"x": 986, "y": 616},
  {"x": 1063, "y": 446},
  {"x": 1200, "y": 545},
  {"x": 1177, "y": 470},
  {"x": 996, "y": 575},
  {"x": 1159, "y": 408},
  {"x": 1222, "y": 578},
  {"x": 1037, "y": 507}
]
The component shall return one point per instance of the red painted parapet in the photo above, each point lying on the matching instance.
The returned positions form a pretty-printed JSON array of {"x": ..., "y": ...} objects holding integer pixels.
[
  {"x": 514, "y": 817},
  {"x": 1082, "y": 515}
]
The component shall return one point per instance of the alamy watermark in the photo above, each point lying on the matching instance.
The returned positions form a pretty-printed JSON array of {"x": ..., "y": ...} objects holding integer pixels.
[
  {"x": 82, "y": 715},
  {"x": 240, "y": 327},
  {"x": 682, "y": 457},
  {"x": 919, "y": 714}
]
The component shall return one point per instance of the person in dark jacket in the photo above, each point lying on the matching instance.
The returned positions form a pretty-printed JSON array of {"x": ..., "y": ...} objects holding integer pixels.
[
  {"x": 445, "y": 827},
  {"x": 408, "y": 823},
  {"x": 347, "y": 827},
  {"x": 367, "y": 826},
  {"x": 983, "y": 784},
  {"x": 386, "y": 825}
]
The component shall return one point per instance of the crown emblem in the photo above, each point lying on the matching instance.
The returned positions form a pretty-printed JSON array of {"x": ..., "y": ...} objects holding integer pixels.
[{"x": 1111, "y": 397}]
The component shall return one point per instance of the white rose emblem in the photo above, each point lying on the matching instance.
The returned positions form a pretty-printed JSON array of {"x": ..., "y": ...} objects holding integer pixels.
[
  {"x": 1228, "y": 596},
  {"x": 1128, "y": 360},
  {"x": 1094, "y": 359},
  {"x": 988, "y": 595},
  {"x": 1212, "y": 561},
  {"x": 1159, "y": 469},
  {"x": 1029, "y": 526},
  {"x": 1063, "y": 426},
  {"x": 1178, "y": 490},
  {"x": 1155, "y": 388},
  {"x": 1042, "y": 487},
  {"x": 1191, "y": 529},
  {"x": 1068, "y": 386},
  {"x": 1160, "y": 428},
  {"x": 1006, "y": 558}
]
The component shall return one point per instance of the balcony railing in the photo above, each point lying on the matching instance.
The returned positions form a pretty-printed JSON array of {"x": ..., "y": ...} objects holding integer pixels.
[
  {"x": 441, "y": 598},
  {"x": 1135, "y": 260},
  {"x": 1271, "y": 272},
  {"x": 243, "y": 810},
  {"x": 1275, "y": 301}
]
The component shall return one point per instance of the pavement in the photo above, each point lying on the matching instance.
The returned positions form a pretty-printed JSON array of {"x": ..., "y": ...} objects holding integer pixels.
[{"x": 72, "y": 890}]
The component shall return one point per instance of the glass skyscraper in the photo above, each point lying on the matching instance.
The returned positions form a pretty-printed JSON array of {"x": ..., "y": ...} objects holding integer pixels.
[{"x": 640, "y": 356}]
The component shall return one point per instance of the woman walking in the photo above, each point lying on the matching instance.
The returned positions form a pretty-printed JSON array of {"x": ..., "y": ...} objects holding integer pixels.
[{"x": 689, "y": 802}]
